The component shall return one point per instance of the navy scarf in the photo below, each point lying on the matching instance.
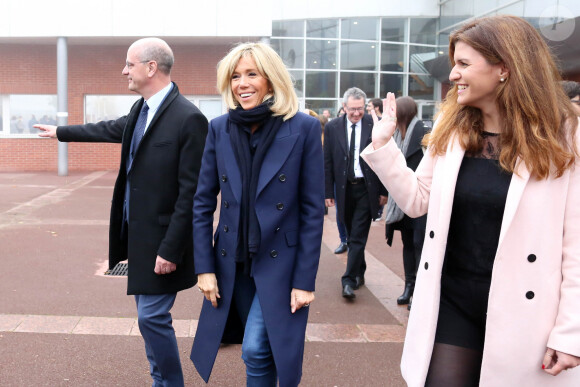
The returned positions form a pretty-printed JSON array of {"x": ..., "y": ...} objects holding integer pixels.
[{"x": 250, "y": 163}]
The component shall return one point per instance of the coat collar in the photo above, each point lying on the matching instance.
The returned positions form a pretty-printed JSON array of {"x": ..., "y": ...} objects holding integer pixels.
[
  {"x": 133, "y": 115},
  {"x": 518, "y": 183},
  {"x": 275, "y": 157}
]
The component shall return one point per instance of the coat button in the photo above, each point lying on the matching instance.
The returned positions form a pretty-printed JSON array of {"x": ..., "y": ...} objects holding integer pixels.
[
  {"x": 426, "y": 265},
  {"x": 226, "y": 228},
  {"x": 226, "y": 204},
  {"x": 431, "y": 234},
  {"x": 532, "y": 258},
  {"x": 282, "y": 178},
  {"x": 530, "y": 295},
  {"x": 277, "y": 229},
  {"x": 273, "y": 253},
  {"x": 280, "y": 206},
  {"x": 223, "y": 252},
  {"x": 224, "y": 178}
]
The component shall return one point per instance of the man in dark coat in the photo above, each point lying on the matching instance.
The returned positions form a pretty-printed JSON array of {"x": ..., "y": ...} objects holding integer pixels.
[
  {"x": 359, "y": 193},
  {"x": 162, "y": 138}
]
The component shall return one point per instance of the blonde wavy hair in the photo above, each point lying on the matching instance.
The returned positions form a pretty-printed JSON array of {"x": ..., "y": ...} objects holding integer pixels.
[
  {"x": 539, "y": 124},
  {"x": 270, "y": 66}
]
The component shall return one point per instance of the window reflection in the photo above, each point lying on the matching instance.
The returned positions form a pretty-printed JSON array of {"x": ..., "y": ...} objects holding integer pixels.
[
  {"x": 107, "y": 107},
  {"x": 359, "y": 28},
  {"x": 322, "y": 28},
  {"x": 321, "y": 54},
  {"x": 28, "y": 110},
  {"x": 321, "y": 84},
  {"x": 393, "y": 30},
  {"x": 364, "y": 81},
  {"x": 298, "y": 79},
  {"x": 392, "y": 57},
  {"x": 391, "y": 83},
  {"x": 288, "y": 28},
  {"x": 358, "y": 56},
  {"x": 290, "y": 50},
  {"x": 423, "y": 31}
]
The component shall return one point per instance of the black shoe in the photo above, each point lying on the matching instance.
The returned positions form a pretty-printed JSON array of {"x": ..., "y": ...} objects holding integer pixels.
[
  {"x": 409, "y": 306},
  {"x": 405, "y": 298},
  {"x": 360, "y": 281},
  {"x": 347, "y": 292},
  {"x": 342, "y": 248}
]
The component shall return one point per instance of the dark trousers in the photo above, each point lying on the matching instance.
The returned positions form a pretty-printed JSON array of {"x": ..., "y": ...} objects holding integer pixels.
[
  {"x": 155, "y": 324},
  {"x": 357, "y": 220},
  {"x": 412, "y": 246}
]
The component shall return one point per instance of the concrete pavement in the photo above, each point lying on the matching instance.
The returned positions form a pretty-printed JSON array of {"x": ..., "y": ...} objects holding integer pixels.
[{"x": 63, "y": 323}]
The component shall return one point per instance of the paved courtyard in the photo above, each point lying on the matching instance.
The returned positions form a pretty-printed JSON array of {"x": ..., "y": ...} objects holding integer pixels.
[{"x": 64, "y": 323}]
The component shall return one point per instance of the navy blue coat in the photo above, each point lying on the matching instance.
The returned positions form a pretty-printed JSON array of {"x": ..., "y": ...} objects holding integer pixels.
[{"x": 290, "y": 210}]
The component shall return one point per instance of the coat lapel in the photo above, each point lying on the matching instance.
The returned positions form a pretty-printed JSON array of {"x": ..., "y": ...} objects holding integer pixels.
[
  {"x": 518, "y": 183},
  {"x": 276, "y": 156},
  {"x": 366, "y": 132},
  {"x": 342, "y": 136},
  {"x": 231, "y": 164}
]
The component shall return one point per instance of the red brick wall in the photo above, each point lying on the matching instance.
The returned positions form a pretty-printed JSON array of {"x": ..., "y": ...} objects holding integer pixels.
[{"x": 93, "y": 69}]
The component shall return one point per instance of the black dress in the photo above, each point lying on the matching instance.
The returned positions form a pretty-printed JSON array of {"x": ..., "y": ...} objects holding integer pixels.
[{"x": 478, "y": 206}]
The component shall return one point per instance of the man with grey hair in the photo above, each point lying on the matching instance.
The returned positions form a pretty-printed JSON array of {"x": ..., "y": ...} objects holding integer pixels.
[
  {"x": 162, "y": 138},
  {"x": 359, "y": 193}
]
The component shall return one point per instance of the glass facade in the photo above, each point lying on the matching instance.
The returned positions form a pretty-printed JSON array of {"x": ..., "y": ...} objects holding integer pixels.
[{"x": 327, "y": 56}]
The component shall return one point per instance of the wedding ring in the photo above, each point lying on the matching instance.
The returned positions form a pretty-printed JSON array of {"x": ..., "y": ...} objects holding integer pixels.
[{"x": 306, "y": 305}]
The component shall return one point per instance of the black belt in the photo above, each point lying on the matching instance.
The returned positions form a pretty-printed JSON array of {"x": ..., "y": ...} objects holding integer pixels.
[{"x": 358, "y": 180}]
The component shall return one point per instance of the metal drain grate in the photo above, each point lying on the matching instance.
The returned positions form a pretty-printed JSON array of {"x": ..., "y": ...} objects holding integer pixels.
[{"x": 120, "y": 269}]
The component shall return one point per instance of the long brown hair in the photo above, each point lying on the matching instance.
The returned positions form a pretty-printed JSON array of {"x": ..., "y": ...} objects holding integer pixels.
[
  {"x": 406, "y": 111},
  {"x": 538, "y": 121}
]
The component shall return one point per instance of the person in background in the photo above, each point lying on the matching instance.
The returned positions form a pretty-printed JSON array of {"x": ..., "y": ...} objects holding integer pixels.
[
  {"x": 498, "y": 290},
  {"x": 326, "y": 114},
  {"x": 162, "y": 140},
  {"x": 375, "y": 104},
  {"x": 572, "y": 89},
  {"x": 408, "y": 136},
  {"x": 264, "y": 161},
  {"x": 351, "y": 185}
]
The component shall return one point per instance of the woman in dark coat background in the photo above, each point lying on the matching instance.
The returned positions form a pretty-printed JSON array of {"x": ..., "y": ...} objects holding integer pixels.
[
  {"x": 258, "y": 271},
  {"x": 408, "y": 136}
]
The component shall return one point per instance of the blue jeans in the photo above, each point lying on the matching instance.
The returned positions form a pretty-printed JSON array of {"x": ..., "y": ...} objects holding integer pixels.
[
  {"x": 155, "y": 324},
  {"x": 256, "y": 351}
]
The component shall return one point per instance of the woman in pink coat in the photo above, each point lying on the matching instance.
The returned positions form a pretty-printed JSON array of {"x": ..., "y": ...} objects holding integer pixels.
[{"x": 497, "y": 299}]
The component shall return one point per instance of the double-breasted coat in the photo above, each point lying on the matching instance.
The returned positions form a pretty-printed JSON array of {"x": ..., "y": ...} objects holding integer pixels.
[
  {"x": 534, "y": 298},
  {"x": 290, "y": 209},
  {"x": 163, "y": 176},
  {"x": 336, "y": 163}
]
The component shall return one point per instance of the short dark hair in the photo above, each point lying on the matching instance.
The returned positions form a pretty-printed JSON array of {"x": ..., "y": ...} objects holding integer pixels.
[
  {"x": 377, "y": 102},
  {"x": 571, "y": 88}
]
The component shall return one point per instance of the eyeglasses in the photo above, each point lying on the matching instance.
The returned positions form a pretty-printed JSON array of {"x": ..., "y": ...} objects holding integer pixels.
[
  {"x": 131, "y": 65},
  {"x": 352, "y": 110}
]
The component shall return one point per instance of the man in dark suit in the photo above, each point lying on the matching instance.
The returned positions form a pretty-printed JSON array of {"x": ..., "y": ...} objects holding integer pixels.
[
  {"x": 359, "y": 193},
  {"x": 162, "y": 138}
]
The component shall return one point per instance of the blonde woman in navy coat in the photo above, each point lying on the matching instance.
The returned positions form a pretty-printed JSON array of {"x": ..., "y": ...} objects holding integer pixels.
[{"x": 257, "y": 271}]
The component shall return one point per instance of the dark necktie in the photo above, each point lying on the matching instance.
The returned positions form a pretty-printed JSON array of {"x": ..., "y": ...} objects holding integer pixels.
[
  {"x": 350, "y": 174},
  {"x": 139, "y": 128}
]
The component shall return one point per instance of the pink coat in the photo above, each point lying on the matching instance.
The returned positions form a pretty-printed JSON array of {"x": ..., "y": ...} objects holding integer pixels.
[{"x": 541, "y": 218}]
